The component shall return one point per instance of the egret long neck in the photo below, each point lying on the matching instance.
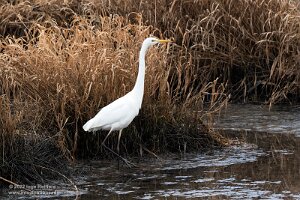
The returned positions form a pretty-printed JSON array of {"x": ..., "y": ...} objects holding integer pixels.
[{"x": 139, "y": 84}]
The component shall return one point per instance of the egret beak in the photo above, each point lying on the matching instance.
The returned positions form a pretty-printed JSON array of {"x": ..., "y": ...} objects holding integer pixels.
[{"x": 164, "y": 41}]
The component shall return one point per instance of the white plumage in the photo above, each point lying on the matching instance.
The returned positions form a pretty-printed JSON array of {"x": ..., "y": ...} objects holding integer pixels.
[
  {"x": 114, "y": 116},
  {"x": 120, "y": 113}
]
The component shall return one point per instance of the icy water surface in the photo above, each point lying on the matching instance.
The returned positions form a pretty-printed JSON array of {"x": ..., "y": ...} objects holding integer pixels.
[
  {"x": 279, "y": 119},
  {"x": 243, "y": 171},
  {"x": 262, "y": 166}
]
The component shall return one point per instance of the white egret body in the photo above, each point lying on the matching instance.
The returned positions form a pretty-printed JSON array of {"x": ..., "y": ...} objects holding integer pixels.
[{"x": 120, "y": 113}]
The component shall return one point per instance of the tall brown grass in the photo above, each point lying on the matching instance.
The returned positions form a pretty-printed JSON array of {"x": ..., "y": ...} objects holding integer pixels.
[
  {"x": 61, "y": 62},
  {"x": 253, "y": 46},
  {"x": 55, "y": 77}
]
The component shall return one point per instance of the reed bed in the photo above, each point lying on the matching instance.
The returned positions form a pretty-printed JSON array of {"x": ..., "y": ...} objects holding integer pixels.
[
  {"x": 61, "y": 62},
  {"x": 250, "y": 45}
]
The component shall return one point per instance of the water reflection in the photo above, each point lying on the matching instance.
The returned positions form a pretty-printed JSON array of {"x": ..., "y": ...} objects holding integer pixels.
[
  {"x": 233, "y": 173},
  {"x": 279, "y": 119},
  {"x": 264, "y": 166},
  {"x": 268, "y": 169},
  {"x": 243, "y": 171}
]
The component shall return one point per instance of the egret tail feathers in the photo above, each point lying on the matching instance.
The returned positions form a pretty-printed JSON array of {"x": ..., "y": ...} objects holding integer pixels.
[{"x": 88, "y": 126}]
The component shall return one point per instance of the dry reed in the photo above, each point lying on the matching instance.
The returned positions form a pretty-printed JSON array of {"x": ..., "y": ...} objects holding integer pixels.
[
  {"x": 55, "y": 77},
  {"x": 251, "y": 46},
  {"x": 61, "y": 62}
]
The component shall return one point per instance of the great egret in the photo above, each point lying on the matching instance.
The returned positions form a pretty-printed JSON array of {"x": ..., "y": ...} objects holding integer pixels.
[{"x": 120, "y": 113}]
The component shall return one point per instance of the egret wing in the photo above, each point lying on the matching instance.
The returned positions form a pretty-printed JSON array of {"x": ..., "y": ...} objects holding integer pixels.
[{"x": 114, "y": 113}]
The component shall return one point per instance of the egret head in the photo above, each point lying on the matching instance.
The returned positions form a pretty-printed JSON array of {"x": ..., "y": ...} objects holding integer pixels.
[{"x": 150, "y": 41}]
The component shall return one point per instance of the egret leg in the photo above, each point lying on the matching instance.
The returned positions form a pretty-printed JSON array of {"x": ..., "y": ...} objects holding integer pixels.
[
  {"x": 118, "y": 147},
  {"x": 119, "y": 138},
  {"x": 107, "y": 136}
]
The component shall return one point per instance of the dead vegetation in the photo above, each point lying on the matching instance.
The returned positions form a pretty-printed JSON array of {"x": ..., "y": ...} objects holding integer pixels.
[
  {"x": 61, "y": 61},
  {"x": 250, "y": 45}
]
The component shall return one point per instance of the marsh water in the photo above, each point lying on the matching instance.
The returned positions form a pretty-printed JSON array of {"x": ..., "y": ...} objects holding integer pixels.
[
  {"x": 263, "y": 164},
  {"x": 278, "y": 119}
]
